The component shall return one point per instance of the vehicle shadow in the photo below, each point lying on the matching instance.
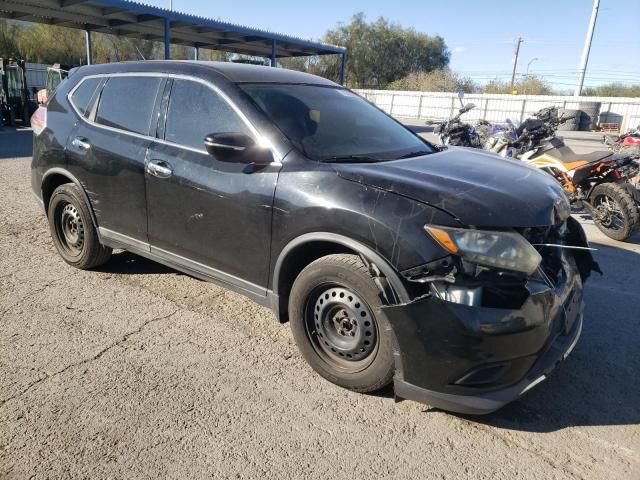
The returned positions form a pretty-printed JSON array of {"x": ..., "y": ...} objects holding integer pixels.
[
  {"x": 597, "y": 384},
  {"x": 594, "y": 386},
  {"x": 15, "y": 143}
]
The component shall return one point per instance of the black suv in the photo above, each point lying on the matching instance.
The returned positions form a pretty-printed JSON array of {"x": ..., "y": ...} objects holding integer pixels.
[{"x": 449, "y": 271}]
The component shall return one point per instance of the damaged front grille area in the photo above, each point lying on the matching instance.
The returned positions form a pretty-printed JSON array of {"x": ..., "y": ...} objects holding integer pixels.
[
  {"x": 544, "y": 240},
  {"x": 456, "y": 280}
]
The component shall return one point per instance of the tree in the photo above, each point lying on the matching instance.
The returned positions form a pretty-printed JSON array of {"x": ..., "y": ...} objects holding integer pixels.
[
  {"x": 8, "y": 36},
  {"x": 443, "y": 80},
  {"x": 381, "y": 52},
  {"x": 529, "y": 85},
  {"x": 613, "y": 90},
  {"x": 50, "y": 44}
]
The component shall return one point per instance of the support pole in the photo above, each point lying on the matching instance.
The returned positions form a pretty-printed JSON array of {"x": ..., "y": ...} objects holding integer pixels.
[
  {"x": 273, "y": 53},
  {"x": 197, "y": 53},
  {"x": 87, "y": 37},
  {"x": 342, "y": 69},
  {"x": 167, "y": 39},
  {"x": 587, "y": 48}
]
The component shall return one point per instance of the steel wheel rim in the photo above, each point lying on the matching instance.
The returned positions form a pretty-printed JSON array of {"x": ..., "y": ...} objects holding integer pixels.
[
  {"x": 341, "y": 328},
  {"x": 609, "y": 216},
  {"x": 70, "y": 228}
]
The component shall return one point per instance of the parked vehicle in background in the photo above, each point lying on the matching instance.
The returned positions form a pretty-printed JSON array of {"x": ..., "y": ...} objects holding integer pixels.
[
  {"x": 55, "y": 75},
  {"x": 15, "y": 104},
  {"x": 454, "y": 274},
  {"x": 597, "y": 182},
  {"x": 628, "y": 143}
]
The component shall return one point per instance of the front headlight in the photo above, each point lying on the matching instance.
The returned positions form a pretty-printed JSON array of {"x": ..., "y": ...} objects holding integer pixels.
[{"x": 505, "y": 250}]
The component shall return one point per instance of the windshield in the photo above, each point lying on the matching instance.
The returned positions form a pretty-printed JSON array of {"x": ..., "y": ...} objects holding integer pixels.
[{"x": 335, "y": 124}]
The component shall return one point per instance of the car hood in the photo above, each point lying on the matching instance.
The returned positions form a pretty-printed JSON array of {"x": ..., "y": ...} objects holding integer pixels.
[{"x": 478, "y": 188}]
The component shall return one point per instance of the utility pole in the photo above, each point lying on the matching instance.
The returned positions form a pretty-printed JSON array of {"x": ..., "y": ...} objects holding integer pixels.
[
  {"x": 515, "y": 62},
  {"x": 587, "y": 48}
]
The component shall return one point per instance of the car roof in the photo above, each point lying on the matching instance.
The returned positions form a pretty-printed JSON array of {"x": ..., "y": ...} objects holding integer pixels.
[{"x": 234, "y": 72}]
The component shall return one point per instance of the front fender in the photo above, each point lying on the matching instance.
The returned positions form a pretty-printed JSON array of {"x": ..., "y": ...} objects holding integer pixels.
[
  {"x": 317, "y": 204},
  {"x": 389, "y": 272}
]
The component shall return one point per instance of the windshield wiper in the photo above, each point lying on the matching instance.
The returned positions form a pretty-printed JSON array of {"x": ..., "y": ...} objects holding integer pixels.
[
  {"x": 351, "y": 159},
  {"x": 414, "y": 154}
]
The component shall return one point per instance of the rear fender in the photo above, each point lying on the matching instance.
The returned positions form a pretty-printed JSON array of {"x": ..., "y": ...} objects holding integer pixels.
[{"x": 72, "y": 179}]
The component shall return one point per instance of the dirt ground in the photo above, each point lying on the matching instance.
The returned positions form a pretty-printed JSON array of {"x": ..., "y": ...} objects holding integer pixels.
[{"x": 137, "y": 371}]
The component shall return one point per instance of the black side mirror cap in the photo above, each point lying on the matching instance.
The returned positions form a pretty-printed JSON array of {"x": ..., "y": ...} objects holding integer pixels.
[{"x": 236, "y": 148}]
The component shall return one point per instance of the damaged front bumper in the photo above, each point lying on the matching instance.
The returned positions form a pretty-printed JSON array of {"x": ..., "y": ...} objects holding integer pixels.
[{"x": 474, "y": 359}]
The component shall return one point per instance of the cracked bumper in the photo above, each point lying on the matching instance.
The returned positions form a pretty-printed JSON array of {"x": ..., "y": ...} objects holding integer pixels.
[{"x": 474, "y": 360}]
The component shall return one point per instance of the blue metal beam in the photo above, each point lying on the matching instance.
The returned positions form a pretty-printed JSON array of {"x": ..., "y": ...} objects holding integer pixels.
[
  {"x": 167, "y": 39},
  {"x": 142, "y": 9},
  {"x": 87, "y": 36},
  {"x": 273, "y": 53},
  {"x": 137, "y": 20}
]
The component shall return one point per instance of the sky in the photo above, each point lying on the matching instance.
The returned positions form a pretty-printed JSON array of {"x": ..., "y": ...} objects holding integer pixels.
[{"x": 480, "y": 34}]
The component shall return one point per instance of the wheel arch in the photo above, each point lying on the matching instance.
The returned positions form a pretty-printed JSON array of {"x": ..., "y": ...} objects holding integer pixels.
[
  {"x": 53, "y": 178},
  {"x": 303, "y": 250}
]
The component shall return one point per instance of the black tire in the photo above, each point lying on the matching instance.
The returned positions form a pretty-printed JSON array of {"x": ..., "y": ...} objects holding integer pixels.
[
  {"x": 572, "y": 123},
  {"x": 589, "y": 117},
  {"x": 72, "y": 230},
  {"x": 614, "y": 210},
  {"x": 356, "y": 350}
]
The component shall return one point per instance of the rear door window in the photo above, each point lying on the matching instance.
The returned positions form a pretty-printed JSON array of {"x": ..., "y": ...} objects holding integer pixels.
[
  {"x": 196, "y": 111},
  {"x": 127, "y": 103},
  {"x": 82, "y": 96}
]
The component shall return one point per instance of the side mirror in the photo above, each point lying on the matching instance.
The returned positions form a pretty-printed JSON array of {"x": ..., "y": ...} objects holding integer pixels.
[
  {"x": 236, "y": 148},
  {"x": 467, "y": 107}
]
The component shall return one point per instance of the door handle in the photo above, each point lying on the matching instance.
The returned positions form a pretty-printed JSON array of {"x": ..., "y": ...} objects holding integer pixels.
[
  {"x": 81, "y": 143},
  {"x": 159, "y": 168}
]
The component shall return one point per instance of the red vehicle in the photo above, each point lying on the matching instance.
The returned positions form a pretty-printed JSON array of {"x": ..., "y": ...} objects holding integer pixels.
[{"x": 629, "y": 141}]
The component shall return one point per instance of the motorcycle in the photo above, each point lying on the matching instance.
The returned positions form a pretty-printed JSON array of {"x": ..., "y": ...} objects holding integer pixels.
[
  {"x": 597, "y": 182},
  {"x": 457, "y": 133},
  {"x": 500, "y": 138},
  {"x": 627, "y": 142}
]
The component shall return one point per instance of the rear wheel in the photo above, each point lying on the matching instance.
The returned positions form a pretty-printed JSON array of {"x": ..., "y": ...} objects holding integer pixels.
[
  {"x": 337, "y": 325},
  {"x": 72, "y": 230},
  {"x": 614, "y": 211}
]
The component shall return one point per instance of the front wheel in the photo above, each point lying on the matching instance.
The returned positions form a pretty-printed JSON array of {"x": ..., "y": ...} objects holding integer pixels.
[
  {"x": 614, "y": 211},
  {"x": 334, "y": 311}
]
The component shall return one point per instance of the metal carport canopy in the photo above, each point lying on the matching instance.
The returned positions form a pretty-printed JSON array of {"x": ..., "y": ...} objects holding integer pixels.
[{"x": 137, "y": 20}]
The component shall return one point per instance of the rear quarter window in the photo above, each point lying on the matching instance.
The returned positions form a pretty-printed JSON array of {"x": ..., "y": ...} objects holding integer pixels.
[
  {"x": 127, "y": 103},
  {"x": 82, "y": 96}
]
